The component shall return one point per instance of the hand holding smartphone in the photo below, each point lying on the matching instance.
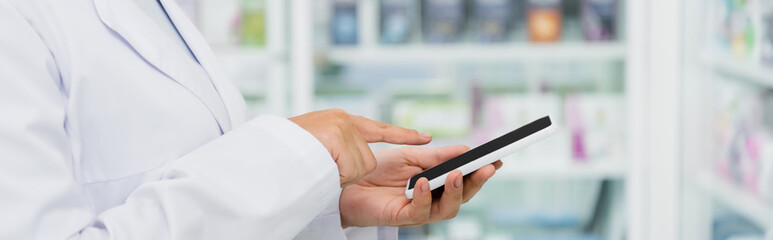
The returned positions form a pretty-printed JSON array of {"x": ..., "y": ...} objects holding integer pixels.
[{"x": 485, "y": 154}]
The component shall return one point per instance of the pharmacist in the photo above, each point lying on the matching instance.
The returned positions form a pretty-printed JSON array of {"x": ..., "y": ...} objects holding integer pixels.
[{"x": 116, "y": 123}]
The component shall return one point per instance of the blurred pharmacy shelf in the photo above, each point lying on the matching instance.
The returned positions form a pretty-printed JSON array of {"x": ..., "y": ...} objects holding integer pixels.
[
  {"x": 745, "y": 70},
  {"x": 477, "y": 53},
  {"x": 514, "y": 170},
  {"x": 738, "y": 199},
  {"x": 725, "y": 112},
  {"x": 283, "y": 76}
]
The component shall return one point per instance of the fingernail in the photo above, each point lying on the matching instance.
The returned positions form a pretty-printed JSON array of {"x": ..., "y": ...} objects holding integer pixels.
[
  {"x": 425, "y": 187},
  {"x": 458, "y": 182},
  {"x": 425, "y": 134}
]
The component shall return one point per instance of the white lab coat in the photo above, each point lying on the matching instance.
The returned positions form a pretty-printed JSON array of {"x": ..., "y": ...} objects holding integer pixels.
[{"x": 106, "y": 133}]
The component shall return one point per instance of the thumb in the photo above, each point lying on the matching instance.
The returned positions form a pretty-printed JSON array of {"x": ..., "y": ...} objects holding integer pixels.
[{"x": 418, "y": 211}]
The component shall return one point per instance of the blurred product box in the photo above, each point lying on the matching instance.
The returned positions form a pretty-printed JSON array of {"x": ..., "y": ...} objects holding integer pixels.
[
  {"x": 253, "y": 22},
  {"x": 745, "y": 145},
  {"x": 343, "y": 27},
  {"x": 734, "y": 27},
  {"x": 442, "y": 118},
  {"x": 397, "y": 20},
  {"x": 443, "y": 20},
  {"x": 492, "y": 20},
  {"x": 599, "y": 19},
  {"x": 597, "y": 125},
  {"x": 544, "y": 20}
]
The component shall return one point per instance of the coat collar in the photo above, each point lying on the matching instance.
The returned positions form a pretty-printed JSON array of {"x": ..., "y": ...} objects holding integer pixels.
[{"x": 141, "y": 33}]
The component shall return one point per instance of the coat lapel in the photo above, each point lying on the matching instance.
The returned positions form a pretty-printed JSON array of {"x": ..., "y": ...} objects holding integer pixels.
[
  {"x": 150, "y": 42},
  {"x": 231, "y": 96}
]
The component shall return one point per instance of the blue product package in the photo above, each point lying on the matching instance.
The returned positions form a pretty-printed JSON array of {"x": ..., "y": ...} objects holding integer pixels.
[
  {"x": 396, "y": 20},
  {"x": 598, "y": 19},
  {"x": 343, "y": 27},
  {"x": 492, "y": 20},
  {"x": 443, "y": 20}
]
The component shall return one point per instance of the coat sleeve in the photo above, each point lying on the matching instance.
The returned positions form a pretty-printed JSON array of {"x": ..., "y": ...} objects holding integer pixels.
[
  {"x": 380, "y": 233},
  {"x": 327, "y": 225},
  {"x": 264, "y": 180}
]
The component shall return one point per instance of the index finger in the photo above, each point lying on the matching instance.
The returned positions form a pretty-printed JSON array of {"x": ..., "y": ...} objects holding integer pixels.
[{"x": 375, "y": 131}]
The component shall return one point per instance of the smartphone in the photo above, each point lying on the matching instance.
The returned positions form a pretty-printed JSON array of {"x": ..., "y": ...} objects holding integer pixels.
[{"x": 485, "y": 154}]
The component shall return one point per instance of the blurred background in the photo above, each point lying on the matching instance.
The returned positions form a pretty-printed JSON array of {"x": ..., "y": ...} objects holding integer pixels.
[{"x": 665, "y": 108}]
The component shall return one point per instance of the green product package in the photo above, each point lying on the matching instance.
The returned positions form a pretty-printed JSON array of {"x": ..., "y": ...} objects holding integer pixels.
[{"x": 253, "y": 27}]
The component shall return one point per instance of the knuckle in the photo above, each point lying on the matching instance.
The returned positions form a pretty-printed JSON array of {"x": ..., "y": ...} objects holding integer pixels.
[
  {"x": 331, "y": 137},
  {"x": 340, "y": 124},
  {"x": 413, "y": 132},
  {"x": 337, "y": 112},
  {"x": 345, "y": 177},
  {"x": 358, "y": 173},
  {"x": 335, "y": 131},
  {"x": 382, "y": 125},
  {"x": 370, "y": 166}
]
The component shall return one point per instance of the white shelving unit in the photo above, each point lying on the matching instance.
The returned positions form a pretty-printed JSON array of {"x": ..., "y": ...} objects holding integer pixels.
[
  {"x": 477, "y": 53},
  {"x": 707, "y": 197},
  {"x": 738, "y": 199},
  {"x": 746, "y": 70}
]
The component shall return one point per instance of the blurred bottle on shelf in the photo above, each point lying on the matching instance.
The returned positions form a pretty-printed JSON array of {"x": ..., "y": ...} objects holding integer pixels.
[
  {"x": 599, "y": 19},
  {"x": 733, "y": 27},
  {"x": 544, "y": 20},
  {"x": 343, "y": 28},
  {"x": 576, "y": 129},
  {"x": 397, "y": 20},
  {"x": 742, "y": 31},
  {"x": 492, "y": 20},
  {"x": 443, "y": 20},
  {"x": 253, "y": 23},
  {"x": 743, "y": 137},
  {"x": 767, "y": 29},
  {"x": 596, "y": 123}
]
